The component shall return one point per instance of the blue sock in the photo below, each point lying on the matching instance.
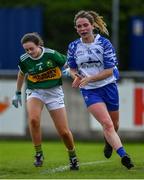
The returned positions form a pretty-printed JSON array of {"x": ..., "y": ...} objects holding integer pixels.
[{"x": 121, "y": 152}]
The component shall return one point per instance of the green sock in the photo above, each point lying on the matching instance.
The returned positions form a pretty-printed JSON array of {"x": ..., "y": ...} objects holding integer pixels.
[
  {"x": 38, "y": 149},
  {"x": 72, "y": 153}
]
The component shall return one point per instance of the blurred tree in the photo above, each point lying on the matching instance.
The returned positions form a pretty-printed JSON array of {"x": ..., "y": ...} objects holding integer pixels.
[{"x": 59, "y": 14}]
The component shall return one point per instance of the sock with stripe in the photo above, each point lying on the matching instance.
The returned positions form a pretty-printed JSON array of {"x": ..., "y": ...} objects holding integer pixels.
[
  {"x": 38, "y": 149},
  {"x": 121, "y": 152},
  {"x": 72, "y": 153}
]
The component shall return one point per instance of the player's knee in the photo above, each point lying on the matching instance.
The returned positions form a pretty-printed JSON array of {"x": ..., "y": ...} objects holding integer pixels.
[
  {"x": 108, "y": 126},
  {"x": 34, "y": 121},
  {"x": 65, "y": 134}
]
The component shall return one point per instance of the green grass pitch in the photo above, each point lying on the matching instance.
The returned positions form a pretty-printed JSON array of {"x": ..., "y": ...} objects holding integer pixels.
[{"x": 16, "y": 161}]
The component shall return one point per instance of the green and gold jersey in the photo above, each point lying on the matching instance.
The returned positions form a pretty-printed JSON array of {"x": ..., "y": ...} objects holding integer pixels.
[{"x": 43, "y": 72}]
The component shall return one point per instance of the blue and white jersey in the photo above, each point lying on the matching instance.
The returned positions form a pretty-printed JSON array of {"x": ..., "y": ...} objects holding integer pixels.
[{"x": 90, "y": 59}]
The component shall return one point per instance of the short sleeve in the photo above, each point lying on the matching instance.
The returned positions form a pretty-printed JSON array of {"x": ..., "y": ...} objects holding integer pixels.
[
  {"x": 22, "y": 67},
  {"x": 59, "y": 58},
  {"x": 110, "y": 59},
  {"x": 71, "y": 60}
]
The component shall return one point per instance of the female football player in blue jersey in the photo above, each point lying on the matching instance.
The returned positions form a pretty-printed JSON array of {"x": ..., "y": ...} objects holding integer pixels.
[
  {"x": 42, "y": 69},
  {"x": 92, "y": 61}
]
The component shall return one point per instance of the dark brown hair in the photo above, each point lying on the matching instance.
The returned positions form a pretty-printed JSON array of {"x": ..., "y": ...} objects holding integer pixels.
[{"x": 32, "y": 37}]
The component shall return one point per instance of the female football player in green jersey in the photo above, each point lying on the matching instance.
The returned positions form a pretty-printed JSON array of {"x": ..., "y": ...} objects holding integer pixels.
[{"x": 42, "y": 69}]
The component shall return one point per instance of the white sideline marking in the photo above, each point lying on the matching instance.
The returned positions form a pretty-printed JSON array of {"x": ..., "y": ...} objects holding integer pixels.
[{"x": 64, "y": 168}]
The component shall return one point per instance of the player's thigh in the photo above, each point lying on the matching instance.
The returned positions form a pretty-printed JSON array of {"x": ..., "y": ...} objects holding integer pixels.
[
  {"x": 115, "y": 118},
  {"x": 59, "y": 118},
  {"x": 99, "y": 111},
  {"x": 34, "y": 107}
]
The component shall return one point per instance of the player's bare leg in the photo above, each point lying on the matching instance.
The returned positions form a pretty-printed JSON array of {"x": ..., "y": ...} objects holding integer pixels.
[
  {"x": 34, "y": 108},
  {"x": 60, "y": 120},
  {"x": 115, "y": 119},
  {"x": 100, "y": 112}
]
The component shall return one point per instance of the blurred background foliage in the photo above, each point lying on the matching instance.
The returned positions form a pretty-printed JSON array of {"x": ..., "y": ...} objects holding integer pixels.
[{"x": 58, "y": 15}]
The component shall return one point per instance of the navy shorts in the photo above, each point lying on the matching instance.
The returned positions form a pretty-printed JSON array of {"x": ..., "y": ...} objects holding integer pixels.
[{"x": 107, "y": 94}]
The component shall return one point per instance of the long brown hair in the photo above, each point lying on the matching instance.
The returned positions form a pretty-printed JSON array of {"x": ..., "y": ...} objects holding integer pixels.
[{"x": 94, "y": 18}]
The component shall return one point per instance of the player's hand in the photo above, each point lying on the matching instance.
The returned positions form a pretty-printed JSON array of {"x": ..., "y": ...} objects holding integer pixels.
[
  {"x": 84, "y": 81},
  {"x": 17, "y": 100},
  {"x": 76, "y": 81}
]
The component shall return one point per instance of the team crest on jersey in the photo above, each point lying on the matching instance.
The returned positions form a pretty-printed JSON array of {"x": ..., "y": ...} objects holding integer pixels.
[{"x": 49, "y": 64}]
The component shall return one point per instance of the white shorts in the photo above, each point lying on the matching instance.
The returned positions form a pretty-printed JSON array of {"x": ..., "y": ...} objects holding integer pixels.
[{"x": 53, "y": 98}]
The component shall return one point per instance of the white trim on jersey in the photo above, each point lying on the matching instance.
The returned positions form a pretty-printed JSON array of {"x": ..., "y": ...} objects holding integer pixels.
[{"x": 92, "y": 58}]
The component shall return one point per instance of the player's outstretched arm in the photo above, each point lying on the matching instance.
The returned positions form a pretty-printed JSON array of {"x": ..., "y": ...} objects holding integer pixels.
[{"x": 17, "y": 100}]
